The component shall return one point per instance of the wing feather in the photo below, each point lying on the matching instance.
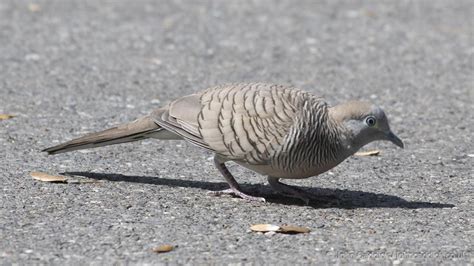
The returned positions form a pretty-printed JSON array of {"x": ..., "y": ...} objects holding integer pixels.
[{"x": 244, "y": 122}]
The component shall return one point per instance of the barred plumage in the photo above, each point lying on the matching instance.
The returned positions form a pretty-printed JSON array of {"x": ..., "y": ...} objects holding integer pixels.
[{"x": 279, "y": 131}]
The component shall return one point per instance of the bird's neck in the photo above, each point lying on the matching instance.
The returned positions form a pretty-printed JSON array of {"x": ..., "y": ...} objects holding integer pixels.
[
  {"x": 317, "y": 141},
  {"x": 333, "y": 145},
  {"x": 340, "y": 118}
]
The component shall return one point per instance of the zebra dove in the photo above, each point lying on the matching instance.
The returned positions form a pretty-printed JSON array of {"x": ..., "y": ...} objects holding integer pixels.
[{"x": 277, "y": 131}]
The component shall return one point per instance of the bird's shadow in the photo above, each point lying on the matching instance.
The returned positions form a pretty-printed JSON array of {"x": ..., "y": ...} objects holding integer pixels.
[{"x": 321, "y": 197}]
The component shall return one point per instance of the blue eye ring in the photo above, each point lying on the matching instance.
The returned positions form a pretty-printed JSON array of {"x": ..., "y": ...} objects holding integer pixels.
[{"x": 371, "y": 121}]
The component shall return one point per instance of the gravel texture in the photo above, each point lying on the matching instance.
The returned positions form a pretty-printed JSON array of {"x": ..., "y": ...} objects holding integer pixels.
[{"x": 72, "y": 67}]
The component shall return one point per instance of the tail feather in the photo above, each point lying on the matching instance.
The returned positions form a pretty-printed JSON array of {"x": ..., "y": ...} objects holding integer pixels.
[{"x": 137, "y": 130}]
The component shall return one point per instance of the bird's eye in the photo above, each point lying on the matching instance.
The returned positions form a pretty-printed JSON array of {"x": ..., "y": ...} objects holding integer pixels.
[{"x": 370, "y": 121}]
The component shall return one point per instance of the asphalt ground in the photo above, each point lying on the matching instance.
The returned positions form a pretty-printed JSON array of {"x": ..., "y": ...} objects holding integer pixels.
[{"x": 73, "y": 67}]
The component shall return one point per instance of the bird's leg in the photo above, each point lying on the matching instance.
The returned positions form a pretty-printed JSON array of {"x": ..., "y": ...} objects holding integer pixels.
[
  {"x": 287, "y": 190},
  {"x": 234, "y": 186}
]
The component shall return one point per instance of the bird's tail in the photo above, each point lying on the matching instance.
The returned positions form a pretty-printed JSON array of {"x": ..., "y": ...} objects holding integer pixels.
[{"x": 139, "y": 129}]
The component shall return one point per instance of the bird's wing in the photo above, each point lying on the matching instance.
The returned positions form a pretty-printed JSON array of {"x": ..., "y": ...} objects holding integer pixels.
[
  {"x": 245, "y": 122},
  {"x": 180, "y": 118}
]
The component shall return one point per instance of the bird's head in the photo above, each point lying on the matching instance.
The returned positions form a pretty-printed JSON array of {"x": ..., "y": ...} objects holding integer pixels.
[{"x": 364, "y": 122}]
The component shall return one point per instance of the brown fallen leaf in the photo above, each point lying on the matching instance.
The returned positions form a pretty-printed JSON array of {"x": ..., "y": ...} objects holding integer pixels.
[
  {"x": 284, "y": 229},
  {"x": 34, "y": 7},
  {"x": 48, "y": 178},
  {"x": 163, "y": 248},
  {"x": 264, "y": 228},
  {"x": 370, "y": 13},
  {"x": 291, "y": 229},
  {"x": 6, "y": 116},
  {"x": 367, "y": 153}
]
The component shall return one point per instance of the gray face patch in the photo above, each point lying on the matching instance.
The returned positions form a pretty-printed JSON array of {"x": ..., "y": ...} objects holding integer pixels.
[{"x": 363, "y": 133}]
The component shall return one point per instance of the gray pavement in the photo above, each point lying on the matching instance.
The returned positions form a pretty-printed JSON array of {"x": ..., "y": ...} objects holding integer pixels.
[{"x": 72, "y": 67}]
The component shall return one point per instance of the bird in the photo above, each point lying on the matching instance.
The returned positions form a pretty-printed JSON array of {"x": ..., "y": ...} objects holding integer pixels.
[{"x": 275, "y": 130}]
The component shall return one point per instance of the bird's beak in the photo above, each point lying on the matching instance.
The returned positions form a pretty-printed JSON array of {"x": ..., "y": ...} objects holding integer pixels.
[{"x": 394, "y": 139}]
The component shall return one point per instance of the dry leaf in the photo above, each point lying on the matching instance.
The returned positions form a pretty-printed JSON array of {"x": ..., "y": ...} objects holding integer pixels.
[
  {"x": 367, "y": 153},
  {"x": 264, "y": 228},
  {"x": 48, "y": 178},
  {"x": 291, "y": 229},
  {"x": 6, "y": 116},
  {"x": 370, "y": 13},
  {"x": 34, "y": 7},
  {"x": 163, "y": 248},
  {"x": 284, "y": 229}
]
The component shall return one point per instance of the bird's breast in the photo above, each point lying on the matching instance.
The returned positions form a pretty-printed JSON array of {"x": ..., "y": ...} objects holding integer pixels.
[{"x": 297, "y": 172}]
